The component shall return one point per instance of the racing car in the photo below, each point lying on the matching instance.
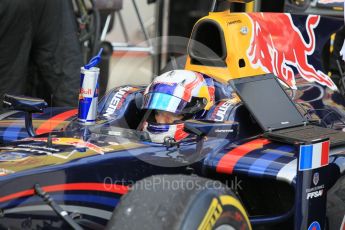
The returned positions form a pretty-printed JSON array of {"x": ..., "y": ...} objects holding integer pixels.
[{"x": 231, "y": 173}]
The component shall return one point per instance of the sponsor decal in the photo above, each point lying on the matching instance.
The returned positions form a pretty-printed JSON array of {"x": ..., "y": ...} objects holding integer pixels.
[
  {"x": 313, "y": 156},
  {"x": 26, "y": 149},
  {"x": 113, "y": 143},
  {"x": 37, "y": 139},
  {"x": 40, "y": 147},
  {"x": 117, "y": 100},
  {"x": 314, "y": 226},
  {"x": 164, "y": 83},
  {"x": 224, "y": 130},
  {"x": 78, "y": 143},
  {"x": 87, "y": 92},
  {"x": 315, "y": 192},
  {"x": 316, "y": 178},
  {"x": 234, "y": 22},
  {"x": 244, "y": 30},
  {"x": 4, "y": 172},
  {"x": 273, "y": 53},
  {"x": 12, "y": 156},
  {"x": 220, "y": 114}
]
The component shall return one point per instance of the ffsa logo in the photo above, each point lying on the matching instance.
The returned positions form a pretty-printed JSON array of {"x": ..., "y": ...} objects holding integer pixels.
[{"x": 315, "y": 194}]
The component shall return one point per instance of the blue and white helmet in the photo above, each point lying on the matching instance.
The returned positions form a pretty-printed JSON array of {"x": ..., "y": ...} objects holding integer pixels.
[
  {"x": 179, "y": 92},
  {"x": 175, "y": 91}
]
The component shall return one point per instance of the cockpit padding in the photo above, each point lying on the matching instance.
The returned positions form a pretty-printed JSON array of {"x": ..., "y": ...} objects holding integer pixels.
[{"x": 122, "y": 105}]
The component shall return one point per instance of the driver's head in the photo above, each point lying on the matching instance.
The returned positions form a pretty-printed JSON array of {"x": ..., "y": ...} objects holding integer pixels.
[{"x": 173, "y": 97}]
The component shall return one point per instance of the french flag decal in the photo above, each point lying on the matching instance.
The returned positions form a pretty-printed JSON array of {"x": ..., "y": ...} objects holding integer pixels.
[{"x": 313, "y": 156}]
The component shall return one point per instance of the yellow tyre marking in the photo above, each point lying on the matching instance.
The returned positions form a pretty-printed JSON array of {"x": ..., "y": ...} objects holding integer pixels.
[
  {"x": 211, "y": 216},
  {"x": 228, "y": 200},
  {"x": 215, "y": 210}
]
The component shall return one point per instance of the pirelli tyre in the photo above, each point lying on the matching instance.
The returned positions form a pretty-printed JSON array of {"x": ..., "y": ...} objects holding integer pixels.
[{"x": 179, "y": 202}]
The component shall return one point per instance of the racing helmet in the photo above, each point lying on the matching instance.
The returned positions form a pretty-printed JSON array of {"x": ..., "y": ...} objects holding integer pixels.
[{"x": 173, "y": 97}]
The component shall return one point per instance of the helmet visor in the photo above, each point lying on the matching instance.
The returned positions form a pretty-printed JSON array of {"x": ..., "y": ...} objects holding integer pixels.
[{"x": 164, "y": 102}]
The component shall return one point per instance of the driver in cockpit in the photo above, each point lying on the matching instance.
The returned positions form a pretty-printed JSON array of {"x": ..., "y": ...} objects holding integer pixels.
[{"x": 173, "y": 97}]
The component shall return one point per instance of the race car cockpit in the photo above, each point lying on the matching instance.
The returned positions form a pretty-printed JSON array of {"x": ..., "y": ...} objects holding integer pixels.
[{"x": 138, "y": 109}]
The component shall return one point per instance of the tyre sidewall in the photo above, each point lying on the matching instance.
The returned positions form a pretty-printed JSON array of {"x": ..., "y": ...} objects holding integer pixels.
[{"x": 211, "y": 209}]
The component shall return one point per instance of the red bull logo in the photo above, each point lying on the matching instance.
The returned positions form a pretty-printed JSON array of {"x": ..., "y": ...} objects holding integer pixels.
[
  {"x": 88, "y": 96},
  {"x": 278, "y": 46},
  {"x": 86, "y": 92},
  {"x": 71, "y": 141}
]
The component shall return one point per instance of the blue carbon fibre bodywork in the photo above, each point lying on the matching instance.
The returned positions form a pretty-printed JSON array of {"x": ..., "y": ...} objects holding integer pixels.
[
  {"x": 262, "y": 163},
  {"x": 64, "y": 198}
]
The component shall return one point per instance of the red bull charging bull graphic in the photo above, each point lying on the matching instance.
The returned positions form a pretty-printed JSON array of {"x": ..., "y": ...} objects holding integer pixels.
[{"x": 278, "y": 46}]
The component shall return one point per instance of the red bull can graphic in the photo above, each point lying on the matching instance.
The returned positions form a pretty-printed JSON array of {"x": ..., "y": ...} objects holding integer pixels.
[
  {"x": 88, "y": 96},
  {"x": 278, "y": 46}
]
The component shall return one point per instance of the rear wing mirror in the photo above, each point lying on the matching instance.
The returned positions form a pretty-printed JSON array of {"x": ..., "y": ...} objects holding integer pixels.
[
  {"x": 226, "y": 129},
  {"x": 29, "y": 105},
  {"x": 26, "y": 104}
]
